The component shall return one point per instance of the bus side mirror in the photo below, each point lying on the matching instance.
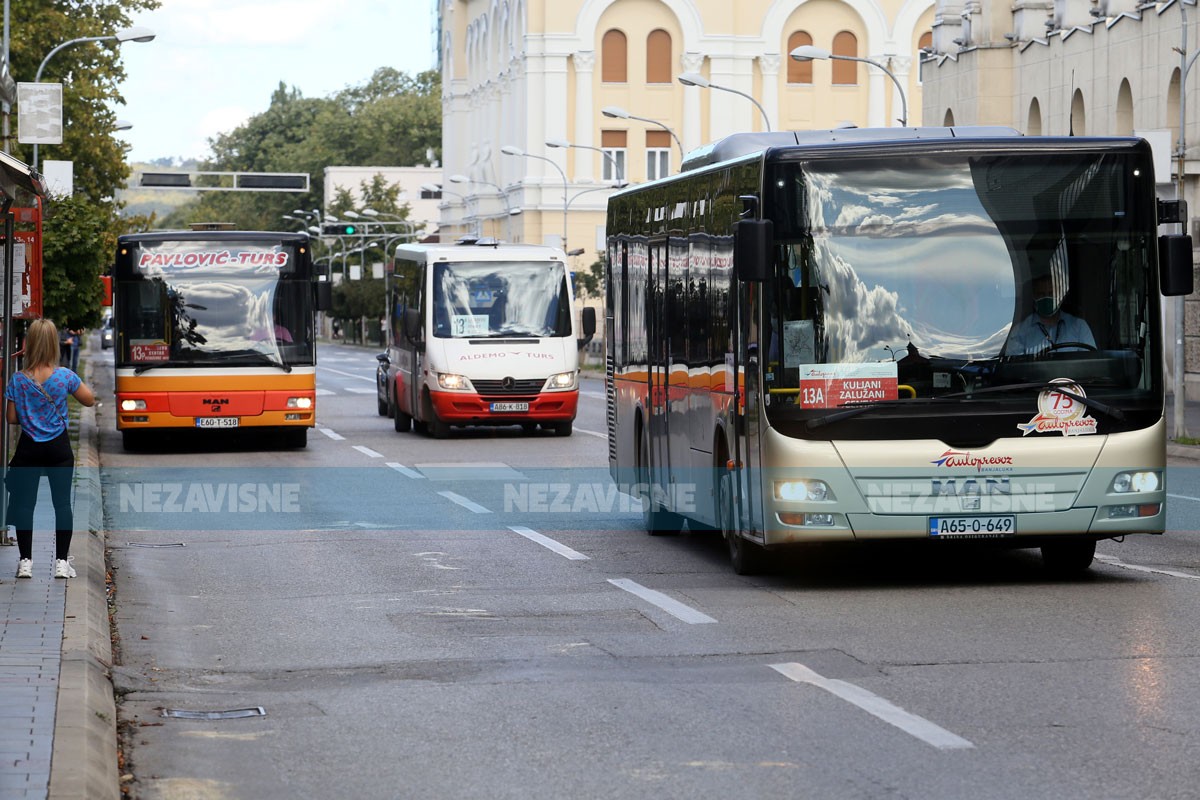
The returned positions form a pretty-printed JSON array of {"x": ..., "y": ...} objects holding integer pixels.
[
  {"x": 324, "y": 295},
  {"x": 753, "y": 243},
  {"x": 1175, "y": 264},
  {"x": 587, "y": 321},
  {"x": 412, "y": 325}
]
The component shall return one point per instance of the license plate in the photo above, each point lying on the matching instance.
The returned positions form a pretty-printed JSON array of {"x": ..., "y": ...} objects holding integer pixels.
[
  {"x": 972, "y": 527},
  {"x": 510, "y": 406},
  {"x": 216, "y": 422}
]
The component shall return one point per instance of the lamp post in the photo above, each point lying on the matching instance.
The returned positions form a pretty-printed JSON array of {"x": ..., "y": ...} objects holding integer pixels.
[
  {"x": 499, "y": 189},
  {"x": 616, "y": 112},
  {"x": 134, "y": 34},
  {"x": 701, "y": 82},
  {"x": 807, "y": 52},
  {"x": 616, "y": 169},
  {"x": 513, "y": 150},
  {"x": 1179, "y": 396}
]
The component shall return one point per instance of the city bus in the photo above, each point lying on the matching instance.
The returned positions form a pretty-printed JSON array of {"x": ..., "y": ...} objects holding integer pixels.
[
  {"x": 824, "y": 337},
  {"x": 482, "y": 333},
  {"x": 214, "y": 329}
]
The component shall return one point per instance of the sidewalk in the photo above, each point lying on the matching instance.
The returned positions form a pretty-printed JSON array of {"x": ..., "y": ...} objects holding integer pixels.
[
  {"x": 57, "y": 713},
  {"x": 1191, "y": 419}
]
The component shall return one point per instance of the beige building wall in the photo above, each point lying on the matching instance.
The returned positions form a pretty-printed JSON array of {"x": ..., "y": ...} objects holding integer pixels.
[
  {"x": 1063, "y": 67},
  {"x": 517, "y": 73}
]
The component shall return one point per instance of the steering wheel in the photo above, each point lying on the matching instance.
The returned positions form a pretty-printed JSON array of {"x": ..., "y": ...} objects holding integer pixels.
[{"x": 1065, "y": 345}]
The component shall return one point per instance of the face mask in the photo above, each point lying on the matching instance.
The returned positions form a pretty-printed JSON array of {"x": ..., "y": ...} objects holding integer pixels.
[{"x": 1045, "y": 306}]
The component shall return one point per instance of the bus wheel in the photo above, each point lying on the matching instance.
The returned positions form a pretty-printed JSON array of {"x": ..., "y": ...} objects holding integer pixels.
[
  {"x": 437, "y": 428},
  {"x": 1068, "y": 557},
  {"x": 562, "y": 428},
  {"x": 132, "y": 441},
  {"x": 657, "y": 521},
  {"x": 400, "y": 421},
  {"x": 746, "y": 557}
]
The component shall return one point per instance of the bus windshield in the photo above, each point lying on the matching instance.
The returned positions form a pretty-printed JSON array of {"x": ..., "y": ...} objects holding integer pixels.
[
  {"x": 956, "y": 276},
  {"x": 479, "y": 299},
  {"x": 191, "y": 303}
]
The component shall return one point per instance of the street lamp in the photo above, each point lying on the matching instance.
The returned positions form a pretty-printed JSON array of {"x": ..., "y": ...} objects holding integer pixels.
[
  {"x": 807, "y": 52},
  {"x": 701, "y": 82},
  {"x": 496, "y": 186},
  {"x": 616, "y": 170},
  {"x": 135, "y": 34},
  {"x": 513, "y": 150},
  {"x": 617, "y": 112}
]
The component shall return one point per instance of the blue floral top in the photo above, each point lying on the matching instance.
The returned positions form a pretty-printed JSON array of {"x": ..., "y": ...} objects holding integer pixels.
[{"x": 40, "y": 419}]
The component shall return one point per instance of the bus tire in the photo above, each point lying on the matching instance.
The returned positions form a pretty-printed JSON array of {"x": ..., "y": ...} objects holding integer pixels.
[
  {"x": 1068, "y": 557},
  {"x": 657, "y": 521},
  {"x": 401, "y": 422},
  {"x": 746, "y": 557},
  {"x": 132, "y": 441},
  {"x": 433, "y": 423}
]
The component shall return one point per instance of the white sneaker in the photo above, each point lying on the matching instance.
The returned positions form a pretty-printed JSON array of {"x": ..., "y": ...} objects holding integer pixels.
[
  {"x": 25, "y": 568},
  {"x": 63, "y": 568}
]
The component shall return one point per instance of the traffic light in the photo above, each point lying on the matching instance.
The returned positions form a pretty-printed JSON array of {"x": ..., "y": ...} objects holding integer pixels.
[{"x": 338, "y": 229}]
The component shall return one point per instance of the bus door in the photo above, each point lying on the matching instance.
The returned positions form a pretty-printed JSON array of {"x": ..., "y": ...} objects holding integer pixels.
[
  {"x": 658, "y": 366},
  {"x": 752, "y": 412}
]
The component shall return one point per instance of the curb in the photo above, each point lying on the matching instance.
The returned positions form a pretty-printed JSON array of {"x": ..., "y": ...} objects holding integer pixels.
[{"x": 84, "y": 758}]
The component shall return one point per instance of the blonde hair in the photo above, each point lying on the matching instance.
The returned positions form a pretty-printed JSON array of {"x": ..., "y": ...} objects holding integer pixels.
[{"x": 41, "y": 344}]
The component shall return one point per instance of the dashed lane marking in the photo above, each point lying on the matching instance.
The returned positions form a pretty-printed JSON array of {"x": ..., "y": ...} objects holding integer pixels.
[
  {"x": 1116, "y": 562},
  {"x": 548, "y": 543},
  {"x": 876, "y": 706},
  {"x": 403, "y": 470},
  {"x": 665, "y": 602},
  {"x": 465, "y": 503},
  {"x": 337, "y": 437},
  {"x": 366, "y": 451}
]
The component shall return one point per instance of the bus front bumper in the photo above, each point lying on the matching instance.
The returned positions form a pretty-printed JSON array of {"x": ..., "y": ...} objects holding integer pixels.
[{"x": 468, "y": 408}]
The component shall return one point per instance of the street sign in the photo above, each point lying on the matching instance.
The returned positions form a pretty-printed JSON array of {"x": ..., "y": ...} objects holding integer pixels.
[{"x": 39, "y": 113}]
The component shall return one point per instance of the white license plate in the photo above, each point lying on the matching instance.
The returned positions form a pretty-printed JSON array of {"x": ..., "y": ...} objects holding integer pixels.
[
  {"x": 510, "y": 406},
  {"x": 216, "y": 422},
  {"x": 972, "y": 527}
]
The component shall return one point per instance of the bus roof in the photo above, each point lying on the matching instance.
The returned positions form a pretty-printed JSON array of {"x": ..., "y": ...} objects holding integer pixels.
[
  {"x": 211, "y": 235},
  {"x": 740, "y": 144},
  {"x": 483, "y": 250}
]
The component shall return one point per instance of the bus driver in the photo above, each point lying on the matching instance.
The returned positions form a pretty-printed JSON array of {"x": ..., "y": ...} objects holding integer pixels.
[{"x": 1048, "y": 326}]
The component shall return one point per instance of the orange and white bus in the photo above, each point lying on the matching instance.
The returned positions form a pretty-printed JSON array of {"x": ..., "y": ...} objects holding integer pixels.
[
  {"x": 898, "y": 334},
  {"x": 215, "y": 330}
]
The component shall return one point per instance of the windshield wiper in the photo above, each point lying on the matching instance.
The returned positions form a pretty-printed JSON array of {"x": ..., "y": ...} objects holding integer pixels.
[
  {"x": 1103, "y": 408},
  {"x": 854, "y": 410},
  {"x": 140, "y": 368},
  {"x": 262, "y": 358}
]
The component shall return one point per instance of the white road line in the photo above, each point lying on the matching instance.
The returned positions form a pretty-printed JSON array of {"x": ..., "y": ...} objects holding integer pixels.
[
  {"x": 1184, "y": 497},
  {"x": 464, "y": 502},
  {"x": 597, "y": 434},
  {"x": 359, "y": 390},
  {"x": 549, "y": 544},
  {"x": 876, "y": 706},
  {"x": 668, "y": 604},
  {"x": 403, "y": 470},
  {"x": 325, "y": 392},
  {"x": 1116, "y": 562},
  {"x": 337, "y": 437},
  {"x": 366, "y": 451},
  {"x": 354, "y": 375}
]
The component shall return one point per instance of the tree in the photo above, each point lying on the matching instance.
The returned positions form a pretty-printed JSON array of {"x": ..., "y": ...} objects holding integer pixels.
[{"x": 78, "y": 242}]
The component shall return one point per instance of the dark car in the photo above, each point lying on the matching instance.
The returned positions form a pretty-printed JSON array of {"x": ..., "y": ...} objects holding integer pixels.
[
  {"x": 106, "y": 333},
  {"x": 381, "y": 384}
]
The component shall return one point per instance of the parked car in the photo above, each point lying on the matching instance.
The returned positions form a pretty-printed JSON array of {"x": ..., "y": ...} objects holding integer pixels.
[{"x": 106, "y": 333}]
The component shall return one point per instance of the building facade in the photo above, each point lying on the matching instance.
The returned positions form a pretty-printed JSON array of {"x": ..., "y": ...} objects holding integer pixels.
[
  {"x": 1079, "y": 67},
  {"x": 530, "y": 153}
]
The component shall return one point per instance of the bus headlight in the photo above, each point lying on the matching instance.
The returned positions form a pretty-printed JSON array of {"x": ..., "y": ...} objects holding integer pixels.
[
  {"x": 561, "y": 382},
  {"x": 299, "y": 402},
  {"x": 803, "y": 490},
  {"x": 133, "y": 405},
  {"x": 451, "y": 382},
  {"x": 1125, "y": 482}
]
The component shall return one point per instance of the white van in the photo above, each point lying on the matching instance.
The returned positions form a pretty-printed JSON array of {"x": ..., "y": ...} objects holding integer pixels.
[{"x": 481, "y": 333}]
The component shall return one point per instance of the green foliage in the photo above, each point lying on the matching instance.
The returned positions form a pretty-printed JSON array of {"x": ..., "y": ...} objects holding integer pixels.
[
  {"x": 592, "y": 282},
  {"x": 79, "y": 238}
]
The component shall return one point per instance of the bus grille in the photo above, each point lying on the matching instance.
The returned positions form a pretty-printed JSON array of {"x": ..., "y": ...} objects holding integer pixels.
[{"x": 519, "y": 386}]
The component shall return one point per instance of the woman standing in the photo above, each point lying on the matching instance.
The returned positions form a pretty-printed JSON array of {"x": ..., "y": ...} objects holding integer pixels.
[{"x": 37, "y": 401}]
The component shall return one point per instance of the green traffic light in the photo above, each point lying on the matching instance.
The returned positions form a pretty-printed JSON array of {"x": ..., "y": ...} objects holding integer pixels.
[{"x": 350, "y": 230}]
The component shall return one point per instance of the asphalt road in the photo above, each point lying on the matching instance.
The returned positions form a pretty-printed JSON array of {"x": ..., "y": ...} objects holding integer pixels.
[{"x": 483, "y": 617}]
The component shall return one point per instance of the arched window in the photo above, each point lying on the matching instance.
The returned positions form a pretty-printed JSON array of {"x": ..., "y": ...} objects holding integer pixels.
[
  {"x": 926, "y": 41},
  {"x": 799, "y": 71},
  {"x": 658, "y": 57},
  {"x": 1034, "y": 126},
  {"x": 614, "y": 52},
  {"x": 948, "y": 120},
  {"x": 1078, "y": 125},
  {"x": 845, "y": 72},
  {"x": 1125, "y": 109}
]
